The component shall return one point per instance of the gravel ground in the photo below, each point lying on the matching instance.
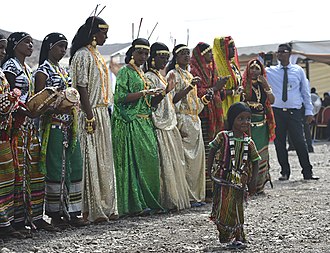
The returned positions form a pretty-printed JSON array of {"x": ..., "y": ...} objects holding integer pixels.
[{"x": 291, "y": 217}]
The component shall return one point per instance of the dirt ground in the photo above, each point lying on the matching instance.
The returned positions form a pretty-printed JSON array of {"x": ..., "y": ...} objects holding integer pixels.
[{"x": 291, "y": 217}]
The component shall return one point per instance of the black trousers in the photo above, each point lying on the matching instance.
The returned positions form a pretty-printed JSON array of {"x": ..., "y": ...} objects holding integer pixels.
[{"x": 290, "y": 121}]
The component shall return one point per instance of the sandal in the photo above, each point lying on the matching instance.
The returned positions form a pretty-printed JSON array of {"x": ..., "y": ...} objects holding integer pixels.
[
  {"x": 60, "y": 223},
  {"x": 77, "y": 222},
  {"x": 236, "y": 245},
  {"x": 42, "y": 224}
]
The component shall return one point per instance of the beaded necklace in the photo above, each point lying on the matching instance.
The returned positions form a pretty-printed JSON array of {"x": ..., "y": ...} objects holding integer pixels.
[
  {"x": 145, "y": 84},
  {"x": 104, "y": 82},
  {"x": 232, "y": 151},
  {"x": 61, "y": 72},
  {"x": 193, "y": 97},
  {"x": 28, "y": 75}
]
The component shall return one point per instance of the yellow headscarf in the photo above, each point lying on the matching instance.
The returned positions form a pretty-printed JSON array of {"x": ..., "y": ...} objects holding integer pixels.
[{"x": 225, "y": 67}]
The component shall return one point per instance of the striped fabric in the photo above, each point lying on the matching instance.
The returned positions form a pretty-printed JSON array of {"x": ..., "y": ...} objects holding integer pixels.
[
  {"x": 28, "y": 172},
  {"x": 7, "y": 176},
  {"x": 72, "y": 179}
]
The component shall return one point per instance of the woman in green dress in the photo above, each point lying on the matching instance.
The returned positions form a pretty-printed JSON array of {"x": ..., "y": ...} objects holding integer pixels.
[{"x": 135, "y": 150}]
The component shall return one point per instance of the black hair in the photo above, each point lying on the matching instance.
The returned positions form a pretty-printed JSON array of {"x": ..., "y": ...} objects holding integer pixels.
[
  {"x": 138, "y": 41},
  {"x": 85, "y": 34},
  {"x": 13, "y": 40},
  {"x": 153, "y": 52},
  {"x": 48, "y": 43},
  {"x": 286, "y": 45},
  {"x": 172, "y": 62},
  {"x": 234, "y": 110}
]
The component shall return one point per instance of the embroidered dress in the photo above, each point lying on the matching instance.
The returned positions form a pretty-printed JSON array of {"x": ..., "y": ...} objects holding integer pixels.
[
  {"x": 260, "y": 132},
  {"x": 63, "y": 182},
  {"x": 136, "y": 150},
  {"x": 89, "y": 70},
  {"x": 189, "y": 125},
  {"x": 173, "y": 185},
  {"x": 7, "y": 172},
  {"x": 233, "y": 172},
  {"x": 29, "y": 179}
]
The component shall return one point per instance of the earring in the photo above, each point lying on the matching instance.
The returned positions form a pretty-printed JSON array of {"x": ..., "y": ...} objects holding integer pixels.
[
  {"x": 153, "y": 62},
  {"x": 132, "y": 60},
  {"x": 94, "y": 43},
  {"x": 176, "y": 65}
]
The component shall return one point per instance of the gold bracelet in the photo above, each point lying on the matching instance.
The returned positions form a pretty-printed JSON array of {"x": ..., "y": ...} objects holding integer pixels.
[
  {"x": 192, "y": 86},
  {"x": 205, "y": 100},
  {"x": 164, "y": 93}
]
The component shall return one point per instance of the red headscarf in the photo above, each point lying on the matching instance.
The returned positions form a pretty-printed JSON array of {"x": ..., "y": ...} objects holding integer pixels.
[
  {"x": 208, "y": 74},
  {"x": 247, "y": 84}
]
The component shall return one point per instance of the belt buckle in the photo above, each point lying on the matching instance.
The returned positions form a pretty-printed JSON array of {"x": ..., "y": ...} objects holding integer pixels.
[{"x": 285, "y": 109}]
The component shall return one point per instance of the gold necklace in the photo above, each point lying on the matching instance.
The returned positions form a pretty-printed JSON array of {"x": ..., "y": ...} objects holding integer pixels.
[
  {"x": 104, "y": 83},
  {"x": 145, "y": 85},
  {"x": 161, "y": 78},
  {"x": 257, "y": 92},
  {"x": 190, "y": 97}
]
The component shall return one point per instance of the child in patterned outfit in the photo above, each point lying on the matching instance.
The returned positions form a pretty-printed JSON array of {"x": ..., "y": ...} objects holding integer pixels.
[{"x": 236, "y": 159}]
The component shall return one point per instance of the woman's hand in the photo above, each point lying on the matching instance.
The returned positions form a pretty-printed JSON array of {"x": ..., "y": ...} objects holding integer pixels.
[
  {"x": 171, "y": 82},
  {"x": 221, "y": 82},
  {"x": 195, "y": 80}
]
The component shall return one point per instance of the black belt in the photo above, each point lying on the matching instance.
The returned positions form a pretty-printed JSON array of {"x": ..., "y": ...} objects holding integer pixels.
[{"x": 286, "y": 109}]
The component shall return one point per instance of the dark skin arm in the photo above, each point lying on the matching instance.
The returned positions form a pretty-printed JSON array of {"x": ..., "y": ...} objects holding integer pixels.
[
  {"x": 170, "y": 86},
  {"x": 210, "y": 160},
  {"x": 23, "y": 111},
  {"x": 85, "y": 104},
  {"x": 252, "y": 185},
  {"x": 178, "y": 96}
]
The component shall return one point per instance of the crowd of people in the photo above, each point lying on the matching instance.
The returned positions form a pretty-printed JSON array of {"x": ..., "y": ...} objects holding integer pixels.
[{"x": 181, "y": 131}]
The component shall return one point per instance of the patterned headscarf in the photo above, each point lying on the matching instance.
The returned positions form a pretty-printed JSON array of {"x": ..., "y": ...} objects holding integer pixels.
[
  {"x": 48, "y": 43},
  {"x": 13, "y": 40},
  {"x": 247, "y": 84},
  {"x": 224, "y": 66},
  {"x": 221, "y": 58}
]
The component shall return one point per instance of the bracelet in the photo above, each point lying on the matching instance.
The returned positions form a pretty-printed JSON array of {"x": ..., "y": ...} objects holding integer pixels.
[
  {"x": 233, "y": 91},
  {"x": 164, "y": 93},
  {"x": 143, "y": 93},
  {"x": 205, "y": 100},
  {"x": 270, "y": 91},
  {"x": 191, "y": 86}
]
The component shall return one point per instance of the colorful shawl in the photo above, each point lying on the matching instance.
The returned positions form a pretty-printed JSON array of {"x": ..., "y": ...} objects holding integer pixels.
[
  {"x": 208, "y": 74},
  {"x": 247, "y": 84},
  {"x": 225, "y": 67}
]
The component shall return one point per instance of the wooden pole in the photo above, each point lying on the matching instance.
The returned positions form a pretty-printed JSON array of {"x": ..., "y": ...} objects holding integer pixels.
[{"x": 139, "y": 28}]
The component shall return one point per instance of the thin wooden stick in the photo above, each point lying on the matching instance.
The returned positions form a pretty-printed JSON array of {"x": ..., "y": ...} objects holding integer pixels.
[
  {"x": 139, "y": 28},
  {"x": 152, "y": 31}
]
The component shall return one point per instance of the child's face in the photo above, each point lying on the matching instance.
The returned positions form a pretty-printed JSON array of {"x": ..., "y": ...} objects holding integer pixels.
[{"x": 242, "y": 122}]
